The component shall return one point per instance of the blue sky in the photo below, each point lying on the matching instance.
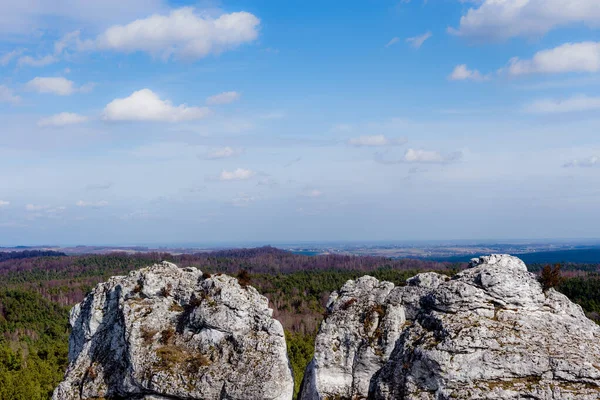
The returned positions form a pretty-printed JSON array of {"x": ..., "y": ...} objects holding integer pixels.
[{"x": 150, "y": 121}]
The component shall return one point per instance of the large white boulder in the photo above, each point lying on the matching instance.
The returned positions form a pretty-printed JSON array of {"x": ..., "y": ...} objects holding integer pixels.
[
  {"x": 169, "y": 333},
  {"x": 490, "y": 332}
]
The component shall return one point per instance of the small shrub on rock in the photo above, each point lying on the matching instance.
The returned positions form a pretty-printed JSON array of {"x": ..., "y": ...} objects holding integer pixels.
[{"x": 550, "y": 277}]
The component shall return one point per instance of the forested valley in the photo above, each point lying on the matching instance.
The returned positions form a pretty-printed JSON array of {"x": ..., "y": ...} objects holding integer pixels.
[{"x": 37, "y": 290}]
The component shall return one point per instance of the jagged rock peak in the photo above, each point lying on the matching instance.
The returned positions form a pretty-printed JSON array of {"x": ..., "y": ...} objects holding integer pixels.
[
  {"x": 165, "y": 332},
  {"x": 490, "y": 332}
]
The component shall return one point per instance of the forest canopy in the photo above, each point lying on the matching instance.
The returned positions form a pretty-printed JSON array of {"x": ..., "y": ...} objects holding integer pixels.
[{"x": 36, "y": 292}]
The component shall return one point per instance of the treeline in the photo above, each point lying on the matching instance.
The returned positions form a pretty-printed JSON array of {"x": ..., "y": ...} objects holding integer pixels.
[
  {"x": 568, "y": 268},
  {"x": 36, "y": 293},
  {"x": 18, "y": 255},
  {"x": 585, "y": 291},
  {"x": 66, "y": 279}
]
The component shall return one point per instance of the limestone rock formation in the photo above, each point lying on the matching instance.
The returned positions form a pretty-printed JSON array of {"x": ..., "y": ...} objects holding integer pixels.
[
  {"x": 165, "y": 332},
  {"x": 355, "y": 339},
  {"x": 490, "y": 332}
]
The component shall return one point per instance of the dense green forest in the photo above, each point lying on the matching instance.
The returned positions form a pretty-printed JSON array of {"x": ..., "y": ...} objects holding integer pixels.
[{"x": 37, "y": 290}]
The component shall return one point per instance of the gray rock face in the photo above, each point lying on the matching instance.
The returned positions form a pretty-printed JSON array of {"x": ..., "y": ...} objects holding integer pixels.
[
  {"x": 169, "y": 333},
  {"x": 354, "y": 341},
  {"x": 488, "y": 333}
]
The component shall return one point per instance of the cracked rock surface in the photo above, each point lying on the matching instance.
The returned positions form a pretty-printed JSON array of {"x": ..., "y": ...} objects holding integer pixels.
[
  {"x": 490, "y": 332},
  {"x": 165, "y": 332}
]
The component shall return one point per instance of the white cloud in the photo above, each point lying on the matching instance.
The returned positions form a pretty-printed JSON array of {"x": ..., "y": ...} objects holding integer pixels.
[
  {"x": 418, "y": 41},
  {"x": 69, "y": 40},
  {"x": 45, "y": 211},
  {"x": 463, "y": 73},
  {"x": 503, "y": 19},
  {"x": 239, "y": 174},
  {"x": 572, "y": 104},
  {"x": 37, "y": 62},
  {"x": 6, "y": 58},
  {"x": 223, "y": 98},
  {"x": 56, "y": 85},
  {"x": 92, "y": 204},
  {"x": 375, "y": 141},
  {"x": 4, "y": 203},
  {"x": 35, "y": 207},
  {"x": 225, "y": 152},
  {"x": 7, "y": 95},
  {"x": 243, "y": 200},
  {"x": 312, "y": 193},
  {"x": 26, "y": 17},
  {"x": 62, "y": 119},
  {"x": 569, "y": 57},
  {"x": 145, "y": 105},
  {"x": 585, "y": 162},
  {"x": 392, "y": 42},
  {"x": 429, "y": 157},
  {"x": 184, "y": 33},
  {"x": 417, "y": 156}
]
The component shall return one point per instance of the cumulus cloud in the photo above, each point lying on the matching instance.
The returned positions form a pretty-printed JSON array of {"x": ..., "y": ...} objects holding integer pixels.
[
  {"x": 569, "y": 57},
  {"x": 225, "y": 152},
  {"x": 62, "y": 119},
  {"x": 8, "y": 96},
  {"x": 56, "y": 85},
  {"x": 573, "y": 104},
  {"x": 585, "y": 162},
  {"x": 239, "y": 174},
  {"x": 223, "y": 98},
  {"x": 375, "y": 141},
  {"x": 504, "y": 19},
  {"x": 463, "y": 73},
  {"x": 92, "y": 204},
  {"x": 183, "y": 33},
  {"x": 145, "y": 105},
  {"x": 4, "y": 203},
  {"x": 418, "y": 41}
]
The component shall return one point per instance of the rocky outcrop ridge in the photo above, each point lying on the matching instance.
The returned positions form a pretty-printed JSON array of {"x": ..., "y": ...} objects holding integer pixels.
[
  {"x": 490, "y": 332},
  {"x": 165, "y": 332}
]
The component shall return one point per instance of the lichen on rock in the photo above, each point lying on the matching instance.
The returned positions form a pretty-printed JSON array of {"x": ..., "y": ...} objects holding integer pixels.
[
  {"x": 490, "y": 332},
  {"x": 169, "y": 332}
]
